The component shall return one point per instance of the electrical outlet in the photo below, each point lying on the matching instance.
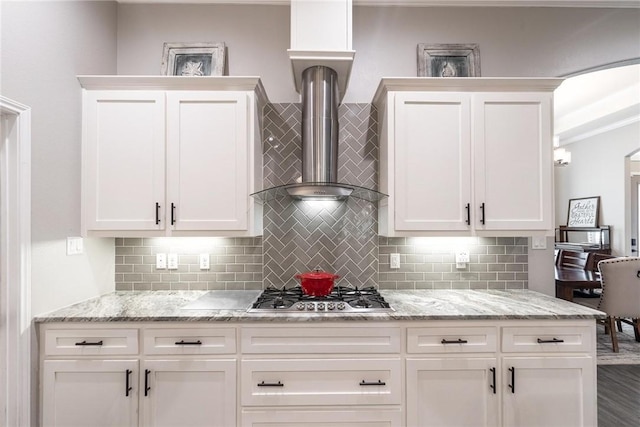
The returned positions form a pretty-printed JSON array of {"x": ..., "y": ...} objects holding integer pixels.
[
  {"x": 161, "y": 261},
  {"x": 394, "y": 260},
  {"x": 204, "y": 261},
  {"x": 172, "y": 261},
  {"x": 462, "y": 258}
]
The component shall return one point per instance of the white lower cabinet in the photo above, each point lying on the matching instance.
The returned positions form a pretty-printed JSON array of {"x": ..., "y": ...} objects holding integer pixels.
[
  {"x": 510, "y": 373},
  {"x": 90, "y": 393},
  {"x": 452, "y": 392},
  {"x": 188, "y": 393},
  {"x": 549, "y": 392},
  {"x": 321, "y": 376}
]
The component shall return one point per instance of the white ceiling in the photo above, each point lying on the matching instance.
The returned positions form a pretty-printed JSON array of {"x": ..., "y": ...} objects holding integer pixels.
[
  {"x": 597, "y": 102},
  {"x": 449, "y": 3}
]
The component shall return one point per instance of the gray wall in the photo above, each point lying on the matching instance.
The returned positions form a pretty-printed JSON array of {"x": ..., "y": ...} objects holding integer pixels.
[
  {"x": 513, "y": 41},
  {"x": 44, "y": 46}
]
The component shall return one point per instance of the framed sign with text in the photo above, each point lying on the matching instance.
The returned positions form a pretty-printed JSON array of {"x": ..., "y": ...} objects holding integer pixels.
[{"x": 583, "y": 212}]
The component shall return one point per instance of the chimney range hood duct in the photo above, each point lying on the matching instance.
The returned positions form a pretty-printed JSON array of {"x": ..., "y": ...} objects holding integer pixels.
[{"x": 320, "y": 100}]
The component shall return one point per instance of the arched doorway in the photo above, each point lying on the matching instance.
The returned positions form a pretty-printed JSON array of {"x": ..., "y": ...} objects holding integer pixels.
[{"x": 597, "y": 120}]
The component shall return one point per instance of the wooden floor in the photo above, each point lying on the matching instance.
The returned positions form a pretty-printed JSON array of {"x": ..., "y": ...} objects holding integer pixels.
[{"x": 619, "y": 395}]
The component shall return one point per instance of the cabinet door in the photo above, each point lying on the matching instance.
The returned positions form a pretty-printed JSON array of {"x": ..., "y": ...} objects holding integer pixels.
[
  {"x": 451, "y": 392},
  {"x": 123, "y": 159},
  {"x": 512, "y": 161},
  {"x": 90, "y": 393},
  {"x": 208, "y": 160},
  {"x": 432, "y": 161},
  {"x": 549, "y": 391},
  {"x": 188, "y": 393}
]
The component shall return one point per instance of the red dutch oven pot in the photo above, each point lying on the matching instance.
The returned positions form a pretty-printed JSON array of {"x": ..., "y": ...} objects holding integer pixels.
[{"x": 317, "y": 283}]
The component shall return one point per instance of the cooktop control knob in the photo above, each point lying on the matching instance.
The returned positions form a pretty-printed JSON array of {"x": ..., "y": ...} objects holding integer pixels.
[
  {"x": 311, "y": 306},
  {"x": 340, "y": 306},
  {"x": 331, "y": 305},
  {"x": 320, "y": 306},
  {"x": 300, "y": 306}
]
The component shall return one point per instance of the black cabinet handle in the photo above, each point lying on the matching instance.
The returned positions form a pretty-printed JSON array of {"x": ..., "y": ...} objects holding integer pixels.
[
  {"x": 482, "y": 213},
  {"x": 468, "y": 208},
  {"x": 458, "y": 341},
  {"x": 263, "y": 384},
  {"x": 493, "y": 380},
  {"x": 553, "y": 340},
  {"x": 86, "y": 343},
  {"x": 363, "y": 382},
  {"x": 146, "y": 382},
  {"x": 173, "y": 214},
  {"x": 127, "y": 388},
  {"x": 183, "y": 342},
  {"x": 157, "y": 213},
  {"x": 512, "y": 386}
]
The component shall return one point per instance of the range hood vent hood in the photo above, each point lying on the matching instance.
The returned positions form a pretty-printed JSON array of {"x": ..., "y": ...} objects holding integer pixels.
[{"x": 320, "y": 99}]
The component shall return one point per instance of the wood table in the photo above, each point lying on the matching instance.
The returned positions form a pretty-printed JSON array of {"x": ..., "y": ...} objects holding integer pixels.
[{"x": 568, "y": 279}]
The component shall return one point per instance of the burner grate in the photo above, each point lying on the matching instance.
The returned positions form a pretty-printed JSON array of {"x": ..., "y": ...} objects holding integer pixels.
[{"x": 341, "y": 299}]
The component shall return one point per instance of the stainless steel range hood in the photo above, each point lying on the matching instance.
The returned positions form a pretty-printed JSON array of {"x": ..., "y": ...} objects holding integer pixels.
[{"x": 320, "y": 100}]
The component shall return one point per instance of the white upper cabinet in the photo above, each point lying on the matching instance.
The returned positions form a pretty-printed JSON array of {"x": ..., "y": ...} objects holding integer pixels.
[
  {"x": 466, "y": 156},
  {"x": 167, "y": 156}
]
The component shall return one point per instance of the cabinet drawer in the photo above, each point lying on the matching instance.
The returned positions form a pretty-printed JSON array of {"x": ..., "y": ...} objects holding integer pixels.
[
  {"x": 321, "y": 417},
  {"x": 451, "y": 340},
  {"x": 546, "y": 339},
  {"x": 90, "y": 342},
  {"x": 190, "y": 341},
  {"x": 281, "y": 382},
  {"x": 323, "y": 340}
]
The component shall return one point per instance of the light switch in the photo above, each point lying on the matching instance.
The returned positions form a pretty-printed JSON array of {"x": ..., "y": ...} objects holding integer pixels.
[
  {"x": 538, "y": 242},
  {"x": 74, "y": 245},
  {"x": 172, "y": 261}
]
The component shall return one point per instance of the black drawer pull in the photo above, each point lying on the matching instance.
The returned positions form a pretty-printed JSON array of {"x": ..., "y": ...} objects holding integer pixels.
[
  {"x": 157, "y": 213},
  {"x": 493, "y": 380},
  {"x": 554, "y": 340},
  {"x": 147, "y": 387},
  {"x": 127, "y": 387},
  {"x": 85, "y": 343},
  {"x": 363, "y": 382},
  {"x": 482, "y": 212},
  {"x": 512, "y": 386},
  {"x": 468, "y": 208},
  {"x": 183, "y": 342},
  {"x": 173, "y": 214},
  {"x": 458, "y": 341},
  {"x": 263, "y": 384}
]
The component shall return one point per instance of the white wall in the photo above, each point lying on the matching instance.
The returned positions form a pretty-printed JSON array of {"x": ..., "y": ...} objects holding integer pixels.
[
  {"x": 44, "y": 46},
  {"x": 598, "y": 169},
  {"x": 513, "y": 41}
]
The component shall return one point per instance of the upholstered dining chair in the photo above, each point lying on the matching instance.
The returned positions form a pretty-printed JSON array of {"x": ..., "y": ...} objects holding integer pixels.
[{"x": 620, "y": 297}]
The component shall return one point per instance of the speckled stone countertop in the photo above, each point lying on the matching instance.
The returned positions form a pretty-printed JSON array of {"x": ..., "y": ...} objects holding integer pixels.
[{"x": 150, "y": 306}]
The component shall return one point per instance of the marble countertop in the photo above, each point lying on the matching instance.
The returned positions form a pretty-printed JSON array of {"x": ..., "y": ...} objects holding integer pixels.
[{"x": 144, "y": 306}]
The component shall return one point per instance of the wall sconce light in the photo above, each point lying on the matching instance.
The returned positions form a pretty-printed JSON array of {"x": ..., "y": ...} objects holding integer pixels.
[{"x": 561, "y": 157}]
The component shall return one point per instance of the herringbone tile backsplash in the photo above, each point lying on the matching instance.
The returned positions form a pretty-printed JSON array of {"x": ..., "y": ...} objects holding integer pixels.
[{"x": 340, "y": 237}]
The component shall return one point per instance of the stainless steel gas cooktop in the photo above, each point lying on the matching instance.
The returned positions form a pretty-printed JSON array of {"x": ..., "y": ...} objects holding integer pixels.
[{"x": 343, "y": 299}]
